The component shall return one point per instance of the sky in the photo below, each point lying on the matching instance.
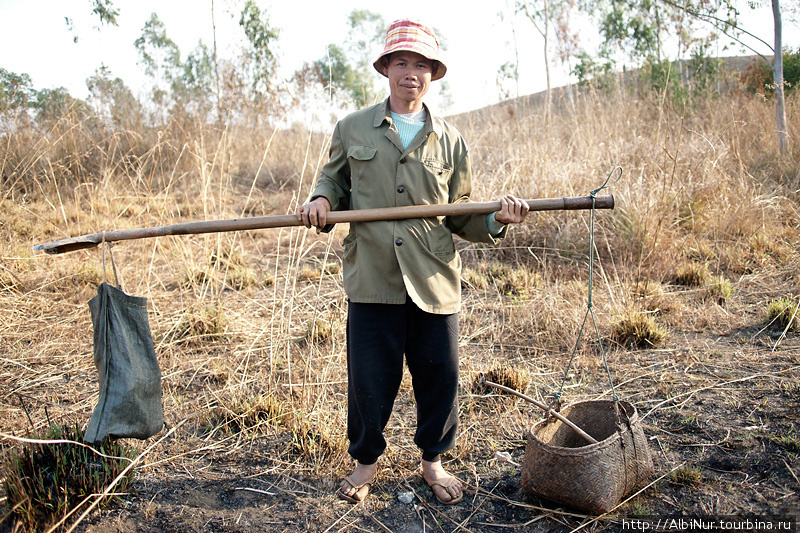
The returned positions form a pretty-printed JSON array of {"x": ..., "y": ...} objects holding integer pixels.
[{"x": 35, "y": 39}]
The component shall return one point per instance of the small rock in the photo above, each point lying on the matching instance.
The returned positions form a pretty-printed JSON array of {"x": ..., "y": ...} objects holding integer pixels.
[{"x": 406, "y": 497}]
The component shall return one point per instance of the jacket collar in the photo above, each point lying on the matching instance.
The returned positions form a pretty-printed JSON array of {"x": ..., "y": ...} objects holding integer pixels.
[{"x": 383, "y": 114}]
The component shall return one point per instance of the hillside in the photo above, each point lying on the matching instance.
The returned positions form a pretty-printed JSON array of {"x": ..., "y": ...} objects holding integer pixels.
[{"x": 695, "y": 288}]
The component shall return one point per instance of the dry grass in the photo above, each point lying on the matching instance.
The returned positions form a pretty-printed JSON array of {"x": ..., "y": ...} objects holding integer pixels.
[{"x": 249, "y": 327}]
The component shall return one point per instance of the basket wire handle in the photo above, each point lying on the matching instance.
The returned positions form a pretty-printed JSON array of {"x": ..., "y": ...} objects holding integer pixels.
[{"x": 555, "y": 404}]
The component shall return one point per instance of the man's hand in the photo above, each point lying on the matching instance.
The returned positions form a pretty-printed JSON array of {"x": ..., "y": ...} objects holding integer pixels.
[
  {"x": 512, "y": 210},
  {"x": 314, "y": 213}
]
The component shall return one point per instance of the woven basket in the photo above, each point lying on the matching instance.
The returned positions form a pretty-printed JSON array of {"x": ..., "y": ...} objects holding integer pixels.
[{"x": 561, "y": 467}]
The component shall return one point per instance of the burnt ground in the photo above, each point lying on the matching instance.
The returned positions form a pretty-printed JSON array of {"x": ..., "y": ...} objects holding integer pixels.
[
  {"x": 719, "y": 412},
  {"x": 718, "y": 403}
]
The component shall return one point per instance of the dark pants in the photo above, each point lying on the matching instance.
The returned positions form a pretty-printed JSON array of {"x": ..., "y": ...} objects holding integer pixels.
[{"x": 378, "y": 335}]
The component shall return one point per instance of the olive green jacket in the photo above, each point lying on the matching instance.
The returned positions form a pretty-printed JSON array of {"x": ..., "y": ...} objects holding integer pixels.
[{"x": 368, "y": 168}]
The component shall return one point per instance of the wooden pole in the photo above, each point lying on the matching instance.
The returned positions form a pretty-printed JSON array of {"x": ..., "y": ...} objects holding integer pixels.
[
  {"x": 540, "y": 405},
  {"x": 334, "y": 217}
]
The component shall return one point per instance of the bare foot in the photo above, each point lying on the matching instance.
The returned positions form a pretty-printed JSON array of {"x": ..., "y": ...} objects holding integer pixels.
[
  {"x": 356, "y": 486},
  {"x": 447, "y": 488}
]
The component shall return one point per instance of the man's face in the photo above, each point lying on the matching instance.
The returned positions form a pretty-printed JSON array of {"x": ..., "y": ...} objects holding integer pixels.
[{"x": 409, "y": 76}]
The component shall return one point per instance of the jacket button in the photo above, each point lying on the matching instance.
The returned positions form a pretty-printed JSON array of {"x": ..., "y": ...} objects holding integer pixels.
[
  {"x": 398, "y": 242},
  {"x": 403, "y": 161},
  {"x": 401, "y": 189}
]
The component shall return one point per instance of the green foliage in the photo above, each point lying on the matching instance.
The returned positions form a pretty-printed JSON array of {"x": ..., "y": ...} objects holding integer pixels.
[
  {"x": 114, "y": 100},
  {"x": 187, "y": 85},
  {"x": 662, "y": 77},
  {"x": 261, "y": 36},
  {"x": 685, "y": 81},
  {"x": 44, "y": 481},
  {"x": 106, "y": 11},
  {"x": 158, "y": 54},
  {"x": 718, "y": 289},
  {"x": 791, "y": 68},
  {"x": 16, "y": 90},
  {"x": 597, "y": 74},
  {"x": 18, "y": 95},
  {"x": 758, "y": 79},
  {"x": 193, "y": 87},
  {"x": 53, "y": 104},
  {"x": 703, "y": 71},
  {"x": 633, "y": 26},
  {"x": 334, "y": 72},
  {"x": 347, "y": 70},
  {"x": 783, "y": 314}
]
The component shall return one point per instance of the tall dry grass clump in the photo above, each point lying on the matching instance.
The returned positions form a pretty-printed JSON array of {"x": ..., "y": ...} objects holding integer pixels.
[
  {"x": 249, "y": 327},
  {"x": 701, "y": 185}
]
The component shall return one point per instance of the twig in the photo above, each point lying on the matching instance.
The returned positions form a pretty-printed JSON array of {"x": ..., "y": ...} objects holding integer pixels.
[
  {"x": 526, "y": 524},
  {"x": 475, "y": 509},
  {"x": 789, "y": 468},
  {"x": 542, "y": 406},
  {"x": 249, "y": 489},
  {"x": 380, "y": 524},
  {"x": 352, "y": 508},
  {"x": 531, "y": 506},
  {"x": 19, "y": 281},
  {"x": 61, "y": 441}
]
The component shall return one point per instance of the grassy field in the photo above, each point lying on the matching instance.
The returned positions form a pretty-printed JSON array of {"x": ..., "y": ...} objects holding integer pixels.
[{"x": 696, "y": 282}]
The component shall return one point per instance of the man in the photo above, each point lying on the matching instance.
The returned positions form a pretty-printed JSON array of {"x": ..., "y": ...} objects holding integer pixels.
[{"x": 402, "y": 278}]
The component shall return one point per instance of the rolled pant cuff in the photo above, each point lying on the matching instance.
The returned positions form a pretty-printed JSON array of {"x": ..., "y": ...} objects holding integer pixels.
[{"x": 431, "y": 457}]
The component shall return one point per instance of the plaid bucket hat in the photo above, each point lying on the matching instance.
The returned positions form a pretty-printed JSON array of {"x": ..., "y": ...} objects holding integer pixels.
[{"x": 412, "y": 36}]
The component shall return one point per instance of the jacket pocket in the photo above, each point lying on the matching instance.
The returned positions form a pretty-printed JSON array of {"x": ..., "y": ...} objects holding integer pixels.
[
  {"x": 361, "y": 159},
  {"x": 360, "y": 152}
]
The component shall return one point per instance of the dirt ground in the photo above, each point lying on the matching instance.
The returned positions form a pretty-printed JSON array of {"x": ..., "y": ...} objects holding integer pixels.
[
  {"x": 718, "y": 403},
  {"x": 723, "y": 438}
]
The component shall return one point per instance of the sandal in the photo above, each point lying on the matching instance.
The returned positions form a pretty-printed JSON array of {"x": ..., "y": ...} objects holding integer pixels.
[
  {"x": 362, "y": 491},
  {"x": 445, "y": 484}
]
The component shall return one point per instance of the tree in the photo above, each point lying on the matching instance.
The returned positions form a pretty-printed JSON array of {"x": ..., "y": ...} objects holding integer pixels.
[
  {"x": 367, "y": 32},
  {"x": 51, "y": 105},
  {"x": 158, "y": 55},
  {"x": 540, "y": 18},
  {"x": 113, "y": 99},
  {"x": 346, "y": 70},
  {"x": 777, "y": 77},
  {"x": 731, "y": 28},
  {"x": 543, "y": 14},
  {"x": 633, "y": 31},
  {"x": 193, "y": 87},
  {"x": 16, "y": 91},
  {"x": 260, "y": 64},
  {"x": 106, "y": 11}
]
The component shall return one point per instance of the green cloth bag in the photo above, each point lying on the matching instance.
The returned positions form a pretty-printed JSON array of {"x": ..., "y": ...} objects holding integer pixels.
[{"x": 130, "y": 378}]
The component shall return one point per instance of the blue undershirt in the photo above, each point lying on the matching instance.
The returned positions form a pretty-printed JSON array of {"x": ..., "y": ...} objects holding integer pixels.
[{"x": 408, "y": 126}]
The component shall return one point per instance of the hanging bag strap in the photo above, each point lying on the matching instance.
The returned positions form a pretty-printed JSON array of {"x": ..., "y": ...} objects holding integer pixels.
[{"x": 107, "y": 246}]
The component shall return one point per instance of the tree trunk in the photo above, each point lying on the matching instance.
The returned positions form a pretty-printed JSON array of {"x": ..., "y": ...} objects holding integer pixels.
[
  {"x": 548, "y": 95},
  {"x": 777, "y": 78},
  {"x": 216, "y": 66}
]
